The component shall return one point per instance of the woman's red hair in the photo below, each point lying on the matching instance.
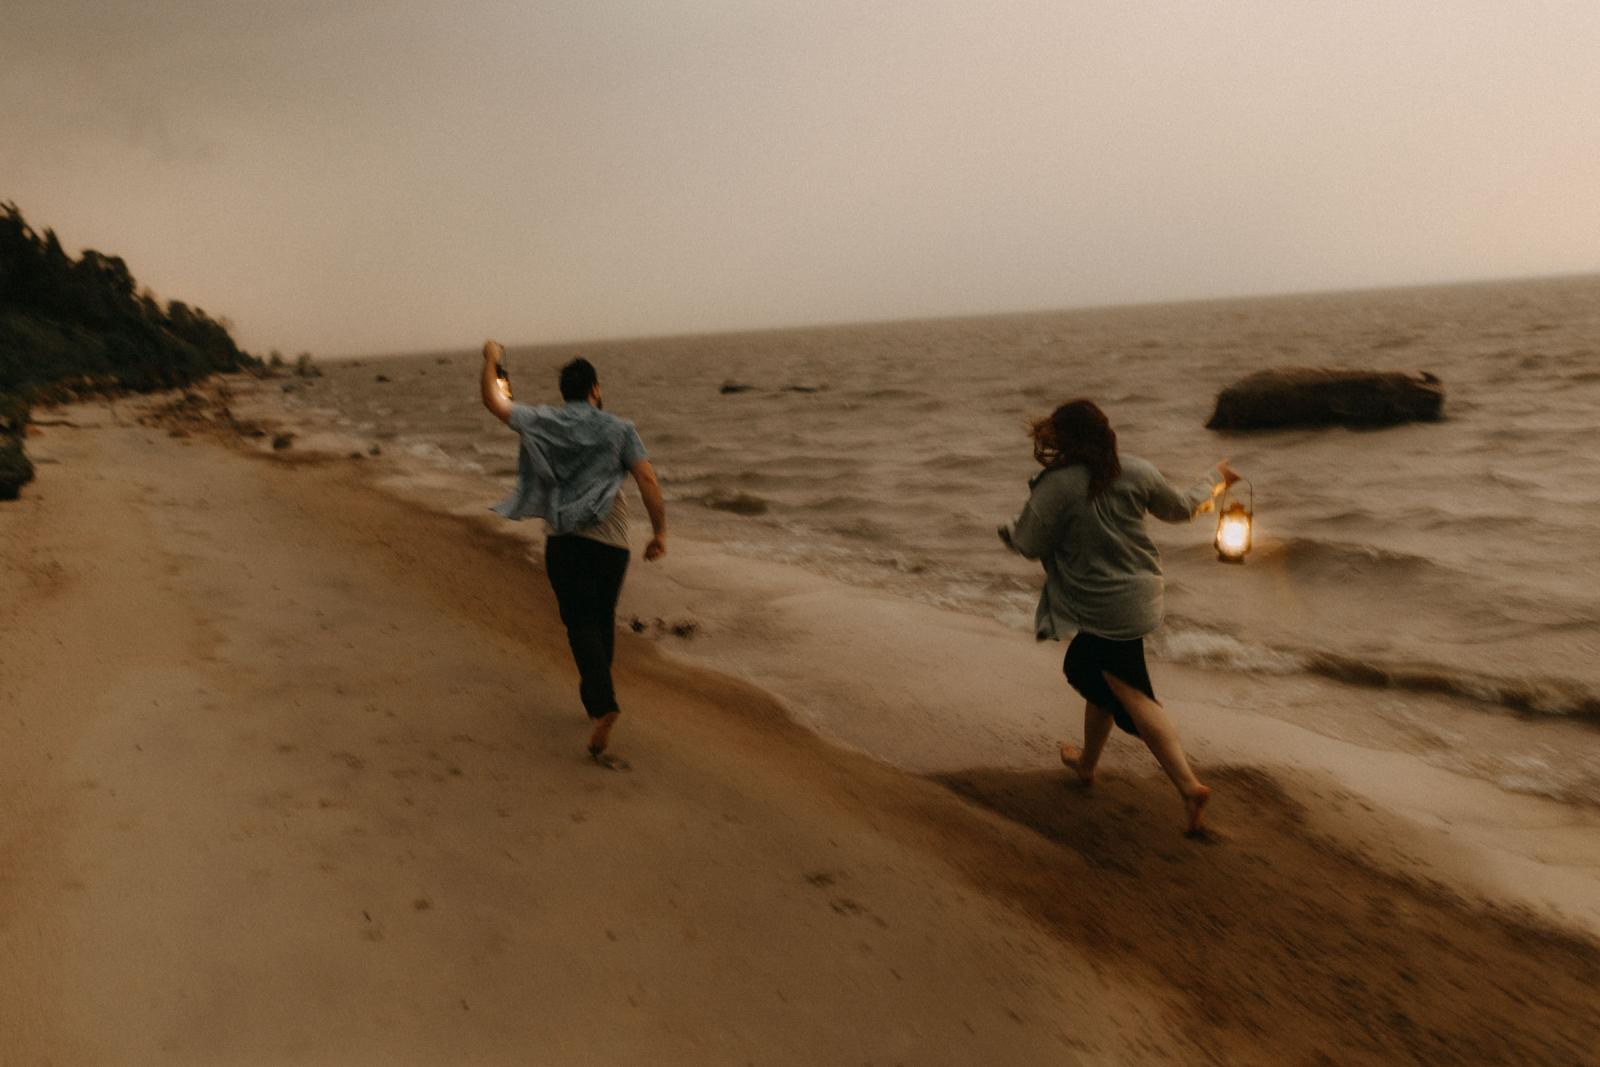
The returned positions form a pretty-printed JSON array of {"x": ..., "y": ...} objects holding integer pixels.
[{"x": 1078, "y": 432}]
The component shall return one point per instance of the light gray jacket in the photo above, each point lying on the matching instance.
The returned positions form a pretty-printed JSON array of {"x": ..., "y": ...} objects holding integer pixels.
[{"x": 1102, "y": 571}]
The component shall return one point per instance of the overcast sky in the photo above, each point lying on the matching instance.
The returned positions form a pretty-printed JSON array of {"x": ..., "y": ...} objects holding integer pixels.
[{"x": 361, "y": 177}]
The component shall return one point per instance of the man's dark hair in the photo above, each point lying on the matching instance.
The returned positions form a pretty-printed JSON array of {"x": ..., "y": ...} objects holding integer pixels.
[{"x": 578, "y": 378}]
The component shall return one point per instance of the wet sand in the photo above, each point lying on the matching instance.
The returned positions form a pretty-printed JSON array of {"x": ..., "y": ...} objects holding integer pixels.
[{"x": 292, "y": 772}]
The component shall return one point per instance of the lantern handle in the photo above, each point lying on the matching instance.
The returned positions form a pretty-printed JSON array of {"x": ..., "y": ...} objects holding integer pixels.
[{"x": 1248, "y": 484}]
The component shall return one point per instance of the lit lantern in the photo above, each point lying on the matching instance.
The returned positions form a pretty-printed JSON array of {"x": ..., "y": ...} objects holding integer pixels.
[
  {"x": 503, "y": 380},
  {"x": 1233, "y": 526}
]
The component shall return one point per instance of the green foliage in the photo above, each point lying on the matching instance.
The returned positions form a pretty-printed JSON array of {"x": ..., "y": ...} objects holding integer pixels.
[{"x": 62, "y": 318}]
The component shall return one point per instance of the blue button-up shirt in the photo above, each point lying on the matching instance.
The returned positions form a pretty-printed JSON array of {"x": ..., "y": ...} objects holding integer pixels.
[{"x": 571, "y": 463}]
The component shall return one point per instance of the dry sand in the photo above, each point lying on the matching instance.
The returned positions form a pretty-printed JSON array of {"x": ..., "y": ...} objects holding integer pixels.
[{"x": 291, "y": 772}]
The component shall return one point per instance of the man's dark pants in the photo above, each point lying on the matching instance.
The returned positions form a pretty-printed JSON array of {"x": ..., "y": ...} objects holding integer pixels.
[{"x": 587, "y": 577}]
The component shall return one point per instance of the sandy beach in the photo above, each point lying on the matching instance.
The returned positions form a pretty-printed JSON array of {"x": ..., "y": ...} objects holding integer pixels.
[{"x": 291, "y": 772}]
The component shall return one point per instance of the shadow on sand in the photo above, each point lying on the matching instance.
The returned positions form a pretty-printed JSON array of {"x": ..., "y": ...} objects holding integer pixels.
[{"x": 1281, "y": 945}]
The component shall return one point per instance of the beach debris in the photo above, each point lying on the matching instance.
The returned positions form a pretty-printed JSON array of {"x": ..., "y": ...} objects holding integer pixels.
[
  {"x": 1320, "y": 396},
  {"x": 375, "y": 450},
  {"x": 729, "y": 388},
  {"x": 804, "y": 388},
  {"x": 282, "y": 441},
  {"x": 380, "y": 378},
  {"x": 683, "y": 628}
]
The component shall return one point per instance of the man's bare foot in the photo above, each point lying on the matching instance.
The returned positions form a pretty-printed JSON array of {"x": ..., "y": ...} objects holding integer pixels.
[
  {"x": 1194, "y": 804},
  {"x": 601, "y": 737},
  {"x": 1073, "y": 759}
]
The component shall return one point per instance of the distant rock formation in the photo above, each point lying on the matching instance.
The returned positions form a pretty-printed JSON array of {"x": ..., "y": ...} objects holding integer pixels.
[{"x": 1315, "y": 396}]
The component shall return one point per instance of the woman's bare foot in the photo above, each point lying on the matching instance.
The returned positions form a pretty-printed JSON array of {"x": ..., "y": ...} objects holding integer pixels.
[
  {"x": 1194, "y": 804},
  {"x": 1072, "y": 758}
]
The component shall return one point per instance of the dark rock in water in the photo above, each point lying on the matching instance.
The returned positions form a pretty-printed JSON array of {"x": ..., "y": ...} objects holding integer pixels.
[
  {"x": 15, "y": 469},
  {"x": 1315, "y": 396},
  {"x": 282, "y": 441},
  {"x": 734, "y": 387},
  {"x": 736, "y": 503}
]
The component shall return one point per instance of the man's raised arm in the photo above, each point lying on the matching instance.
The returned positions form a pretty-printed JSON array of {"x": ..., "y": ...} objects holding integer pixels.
[{"x": 493, "y": 399}]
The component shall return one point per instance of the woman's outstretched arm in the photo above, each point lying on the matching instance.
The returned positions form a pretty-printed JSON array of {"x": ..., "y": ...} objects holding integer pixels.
[{"x": 1169, "y": 505}]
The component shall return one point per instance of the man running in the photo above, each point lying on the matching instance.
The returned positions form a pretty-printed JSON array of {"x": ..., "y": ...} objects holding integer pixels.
[{"x": 569, "y": 473}]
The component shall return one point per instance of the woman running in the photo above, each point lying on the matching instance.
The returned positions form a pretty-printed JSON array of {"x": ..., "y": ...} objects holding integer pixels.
[{"x": 1085, "y": 521}]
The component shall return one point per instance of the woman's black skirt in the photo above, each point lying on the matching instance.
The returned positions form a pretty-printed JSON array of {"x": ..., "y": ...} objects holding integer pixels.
[{"x": 1090, "y": 657}]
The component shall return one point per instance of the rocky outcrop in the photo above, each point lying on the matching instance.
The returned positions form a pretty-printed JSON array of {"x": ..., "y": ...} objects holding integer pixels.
[
  {"x": 15, "y": 469},
  {"x": 1315, "y": 396}
]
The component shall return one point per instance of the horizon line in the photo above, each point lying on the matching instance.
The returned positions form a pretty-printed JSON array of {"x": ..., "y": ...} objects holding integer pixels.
[{"x": 846, "y": 324}]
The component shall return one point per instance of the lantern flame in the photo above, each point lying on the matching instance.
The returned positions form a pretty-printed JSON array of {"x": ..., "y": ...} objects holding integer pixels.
[
  {"x": 1234, "y": 536},
  {"x": 1233, "y": 531}
]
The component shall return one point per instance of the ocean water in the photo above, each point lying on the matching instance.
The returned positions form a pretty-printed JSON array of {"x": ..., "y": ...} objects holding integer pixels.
[{"x": 1457, "y": 557}]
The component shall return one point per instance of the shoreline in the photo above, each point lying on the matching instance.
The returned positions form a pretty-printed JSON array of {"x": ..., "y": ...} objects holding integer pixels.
[
  {"x": 934, "y": 691},
  {"x": 1023, "y": 919}
]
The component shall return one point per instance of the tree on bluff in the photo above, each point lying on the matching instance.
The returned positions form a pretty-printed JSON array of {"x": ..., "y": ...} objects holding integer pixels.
[{"x": 65, "y": 318}]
